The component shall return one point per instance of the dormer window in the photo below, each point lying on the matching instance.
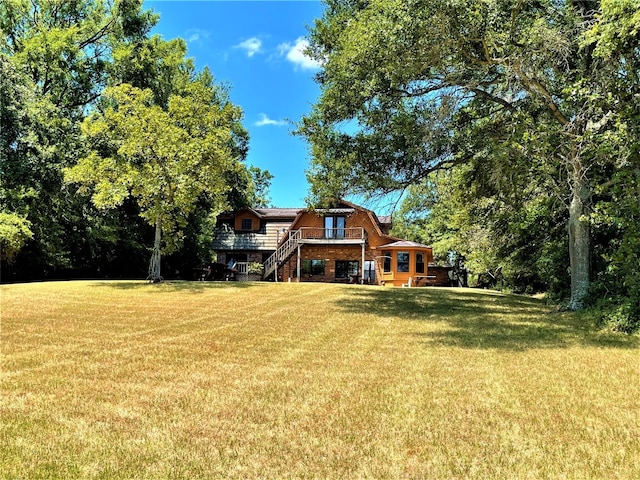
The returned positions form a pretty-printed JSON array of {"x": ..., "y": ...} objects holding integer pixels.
[{"x": 247, "y": 224}]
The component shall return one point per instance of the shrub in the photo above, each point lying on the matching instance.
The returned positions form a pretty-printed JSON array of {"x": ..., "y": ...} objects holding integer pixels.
[
  {"x": 255, "y": 268},
  {"x": 618, "y": 316}
]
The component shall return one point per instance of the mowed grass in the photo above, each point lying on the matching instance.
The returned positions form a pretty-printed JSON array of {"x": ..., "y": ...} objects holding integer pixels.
[{"x": 258, "y": 380}]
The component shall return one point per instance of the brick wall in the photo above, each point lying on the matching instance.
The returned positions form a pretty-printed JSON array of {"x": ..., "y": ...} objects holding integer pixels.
[
  {"x": 328, "y": 253},
  {"x": 441, "y": 274}
]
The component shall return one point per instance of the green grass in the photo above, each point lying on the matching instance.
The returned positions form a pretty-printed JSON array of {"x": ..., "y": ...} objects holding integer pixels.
[{"x": 256, "y": 380}]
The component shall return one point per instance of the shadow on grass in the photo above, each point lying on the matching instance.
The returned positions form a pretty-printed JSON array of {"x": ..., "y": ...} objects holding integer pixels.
[
  {"x": 175, "y": 285},
  {"x": 481, "y": 319}
]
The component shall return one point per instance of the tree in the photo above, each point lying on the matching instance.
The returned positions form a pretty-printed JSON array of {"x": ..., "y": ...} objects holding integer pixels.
[
  {"x": 615, "y": 38},
  {"x": 518, "y": 230},
  {"x": 15, "y": 229},
  {"x": 14, "y": 233},
  {"x": 409, "y": 87},
  {"x": 164, "y": 158},
  {"x": 56, "y": 56}
]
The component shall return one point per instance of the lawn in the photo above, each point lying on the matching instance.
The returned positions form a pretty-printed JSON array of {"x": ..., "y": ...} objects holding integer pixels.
[{"x": 259, "y": 380}]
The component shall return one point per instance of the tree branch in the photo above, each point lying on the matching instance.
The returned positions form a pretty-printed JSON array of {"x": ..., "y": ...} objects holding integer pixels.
[
  {"x": 96, "y": 36},
  {"x": 533, "y": 85},
  {"x": 35, "y": 13},
  {"x": 514, "y": 15},
  {"x": 493, "y": 98},
  {"x": 418, "y": 92}
]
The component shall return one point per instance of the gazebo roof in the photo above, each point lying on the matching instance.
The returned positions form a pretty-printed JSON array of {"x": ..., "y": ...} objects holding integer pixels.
[{"x": 403, "y": 244}]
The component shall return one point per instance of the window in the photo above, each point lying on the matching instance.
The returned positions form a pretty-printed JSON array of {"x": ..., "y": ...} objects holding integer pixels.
[
  {"x": 247, "y": 224},
  {"x": 419, "y": 262},
  {"x": 334, "y": 227},
  {"x": 312, "y": 267},
  {"x": 403, "y": 261},
  {"x": 346, "y": 268},
  {"x": 369, "y": 271},
  {"x": 387, "y": 261},
  {"x": 339, "y": 225}
]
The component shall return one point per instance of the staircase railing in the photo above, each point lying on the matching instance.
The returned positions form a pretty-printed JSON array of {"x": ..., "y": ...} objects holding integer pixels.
[
  {"x": 314, "y": 234},
  {"x": 281, "y": 254}
]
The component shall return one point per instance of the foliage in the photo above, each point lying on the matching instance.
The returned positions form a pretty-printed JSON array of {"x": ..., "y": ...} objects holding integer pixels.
[
  {"x": 618, "y": 315},
  {"x": 249, "y": 188},
  {"x": 56, "y": 59},
  {"x": 616, "y": 214},
  {"x": 530, "y": 94},
  {"x": 260, "y": 184},
  {"x": 165, "y": 159},
  {"x": 255, "y": 268},
  {"x": 14, "y": 233},
  {"x": 517, "y": 234}
]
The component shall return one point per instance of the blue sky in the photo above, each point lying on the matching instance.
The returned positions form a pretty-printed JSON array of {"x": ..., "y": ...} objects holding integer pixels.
[{"x": 256, "y": 47}]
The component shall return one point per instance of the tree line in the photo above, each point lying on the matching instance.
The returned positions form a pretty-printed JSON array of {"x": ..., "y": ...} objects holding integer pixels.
[
  {"x": 114, "y": 147},
  {"x": 511, "y": 127}
]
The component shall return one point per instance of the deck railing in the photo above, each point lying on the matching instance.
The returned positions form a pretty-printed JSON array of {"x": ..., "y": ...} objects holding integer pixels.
[
  {"x": 241, "y": 267},
  {"x": 316, "y": 233},
  {"x": 282, "y": 253}
]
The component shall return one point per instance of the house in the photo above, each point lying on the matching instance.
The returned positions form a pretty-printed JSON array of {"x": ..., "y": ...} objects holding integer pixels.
[
  {"x": 250, "y": 235},
  {"x": 345, "y": 243}
]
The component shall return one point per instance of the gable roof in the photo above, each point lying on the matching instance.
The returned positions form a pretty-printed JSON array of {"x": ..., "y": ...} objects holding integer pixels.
[
  {"x": 372, "y": 216},
  {"x": 345, "y": 207}
]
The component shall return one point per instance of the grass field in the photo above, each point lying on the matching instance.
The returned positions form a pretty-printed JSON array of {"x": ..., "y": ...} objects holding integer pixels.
[{"x": 258, "y": 380}]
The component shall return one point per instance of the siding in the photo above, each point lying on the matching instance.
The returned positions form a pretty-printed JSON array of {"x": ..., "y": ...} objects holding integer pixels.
[{"x": 228, "y": 239}]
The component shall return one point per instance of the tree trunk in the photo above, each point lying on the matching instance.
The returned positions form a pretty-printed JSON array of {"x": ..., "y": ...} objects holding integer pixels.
[
  {"x": 154, "y": 264},
  {"x": 579, "y": 236}
]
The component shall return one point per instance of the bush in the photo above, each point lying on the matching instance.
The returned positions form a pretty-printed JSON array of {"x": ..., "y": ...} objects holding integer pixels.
[
  {"x": 14, "y": 233},
  {"x": 618, "y": 317},
  {"x": 255, "y": 268}
]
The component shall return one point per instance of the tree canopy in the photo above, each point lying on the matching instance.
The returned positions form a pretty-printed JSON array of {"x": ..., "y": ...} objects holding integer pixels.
[
  {"x": 164, "y": 159},
  {"x": 62, "y": 62},
  {"x": 526, "y": 93}
]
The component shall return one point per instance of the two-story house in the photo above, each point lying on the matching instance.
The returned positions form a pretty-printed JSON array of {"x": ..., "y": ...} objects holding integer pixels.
[
  {"x": 345, "y": 243},
  {"x": 250, "y": 235}
]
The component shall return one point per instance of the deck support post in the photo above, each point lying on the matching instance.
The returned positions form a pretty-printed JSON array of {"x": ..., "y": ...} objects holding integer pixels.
[
  {"x": 362, "y": 267},
  {"x": 298, "y": 263}
]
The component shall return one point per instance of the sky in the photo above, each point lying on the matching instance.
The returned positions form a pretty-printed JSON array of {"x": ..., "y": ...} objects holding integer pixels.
[{"x": 256, "y": 47}]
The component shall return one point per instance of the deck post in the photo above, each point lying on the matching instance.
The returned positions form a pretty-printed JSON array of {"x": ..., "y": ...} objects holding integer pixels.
[
  {"x": 298, "y": 263},
  {"x": 362, "y": 267}
]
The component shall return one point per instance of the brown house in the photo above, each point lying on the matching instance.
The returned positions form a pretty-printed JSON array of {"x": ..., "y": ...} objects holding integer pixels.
[{"x": 346, "y": 243}]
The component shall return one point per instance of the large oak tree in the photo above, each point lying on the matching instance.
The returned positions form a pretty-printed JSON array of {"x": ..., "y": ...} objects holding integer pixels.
[{"x": 411, "y": 86}]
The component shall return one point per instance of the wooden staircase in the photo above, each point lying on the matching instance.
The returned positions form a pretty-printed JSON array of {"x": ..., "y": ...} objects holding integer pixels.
[
  {"x": 282, "y": 254},
  {"x": 313, "y": 235}
]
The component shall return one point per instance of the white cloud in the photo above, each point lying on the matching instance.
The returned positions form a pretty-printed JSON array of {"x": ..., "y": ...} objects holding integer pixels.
[
  {"x": 252, "y": 46},
  {"x": 265, "y": 120},
  {"x": 295, "y": 54},
  {"x": 197, "y": 35}
]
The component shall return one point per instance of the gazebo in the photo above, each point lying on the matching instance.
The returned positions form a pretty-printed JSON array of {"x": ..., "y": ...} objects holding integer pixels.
[{"x": 404, "y": 263}]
